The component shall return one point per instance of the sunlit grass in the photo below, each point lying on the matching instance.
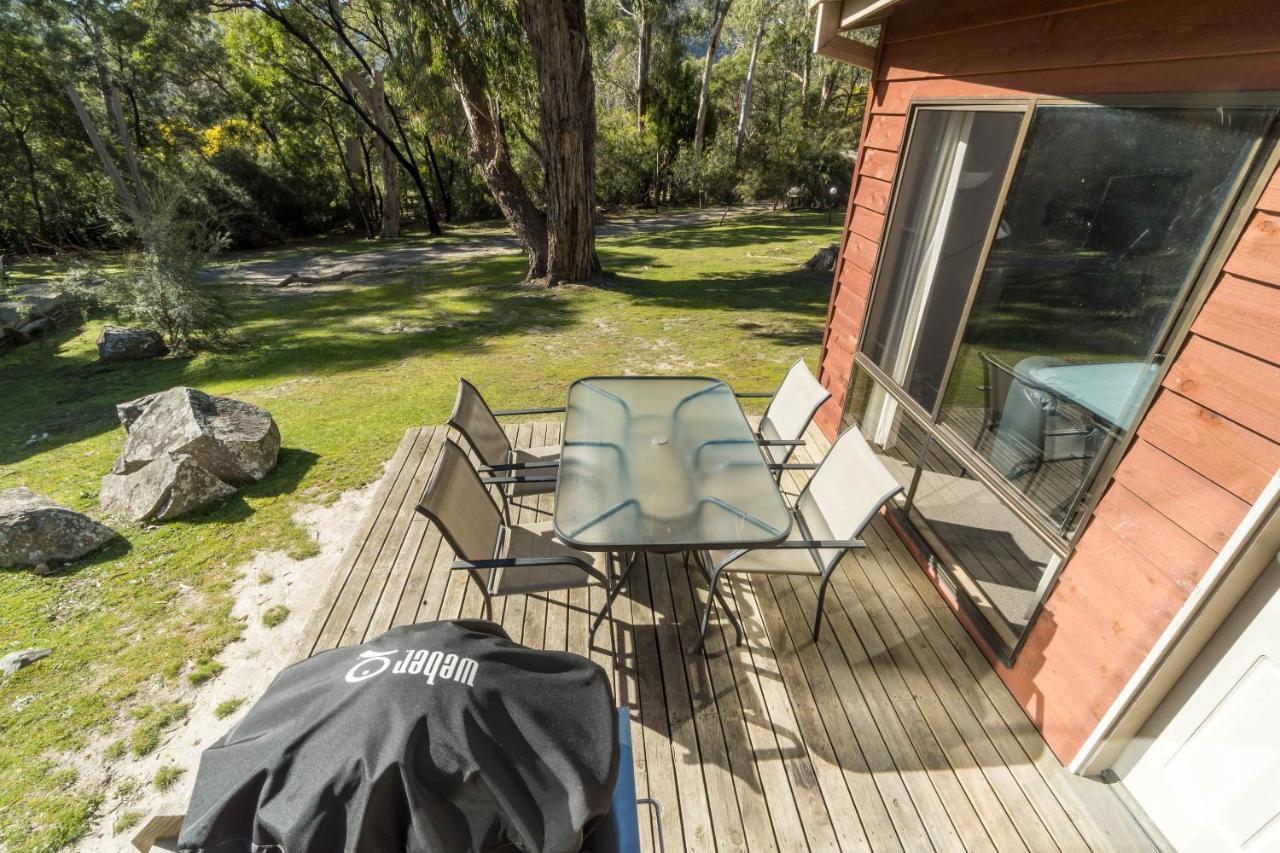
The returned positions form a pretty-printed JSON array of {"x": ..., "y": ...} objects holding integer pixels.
[{"x": 345, "y": 371}]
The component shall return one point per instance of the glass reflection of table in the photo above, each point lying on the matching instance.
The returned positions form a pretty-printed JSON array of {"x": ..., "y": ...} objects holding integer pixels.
[
  {"x": 1111, "y": 391},
  {"x": 662, "y": 464}
]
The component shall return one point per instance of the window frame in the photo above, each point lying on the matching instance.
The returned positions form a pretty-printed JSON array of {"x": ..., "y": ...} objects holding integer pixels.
[{"x": 1262, "y": 162}]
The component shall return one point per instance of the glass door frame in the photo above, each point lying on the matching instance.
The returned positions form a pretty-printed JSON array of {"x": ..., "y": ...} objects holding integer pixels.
[{"x": 1262, "y": 162}]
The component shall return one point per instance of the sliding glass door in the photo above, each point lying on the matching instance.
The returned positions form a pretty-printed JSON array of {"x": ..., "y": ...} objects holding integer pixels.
[{"x": 1035, "y": 261}]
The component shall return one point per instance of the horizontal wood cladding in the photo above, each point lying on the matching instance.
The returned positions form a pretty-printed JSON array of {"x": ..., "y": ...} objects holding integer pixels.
[
  {"x": 1237, "y": 459},
  {"x": 1181, "y": 493},
  {"x": 1255, "y": 255},
  {"x": 1243, "y": 315},
  {"x": 1211, "y": 440},
  {"x": 1140, "y": 32},
  {"x": 1232, "y": 383}
]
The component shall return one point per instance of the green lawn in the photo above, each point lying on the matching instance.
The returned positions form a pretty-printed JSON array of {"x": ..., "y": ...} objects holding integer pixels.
[{"x": 344, "y": 373}]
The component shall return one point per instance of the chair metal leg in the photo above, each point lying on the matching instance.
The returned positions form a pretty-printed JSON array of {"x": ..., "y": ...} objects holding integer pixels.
[
  {"x": 713, "y": 596},
  {"x": 817, "y": 617}
]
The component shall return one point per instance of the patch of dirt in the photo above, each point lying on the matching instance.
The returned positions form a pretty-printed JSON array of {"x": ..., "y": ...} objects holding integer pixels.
[{"x": 270, "y": 579}]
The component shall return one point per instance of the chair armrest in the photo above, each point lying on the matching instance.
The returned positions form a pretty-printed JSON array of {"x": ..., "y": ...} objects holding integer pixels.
[
  {"x": 518, "y": 478},
  {"x": 750, "y": 395},
  {"x": 821, "y": 543},
  {"x": 779, "y": 442},
  {"x": 519, "y": 466},
  {"x": 792, "y": 466},
  {"x": 537, "y": 410},
  {"x": 529, "y": 562},
  {"x": 1071, "y": 431}
]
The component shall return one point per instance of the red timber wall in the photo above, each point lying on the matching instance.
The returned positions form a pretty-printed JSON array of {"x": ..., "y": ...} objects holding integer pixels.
[{"x": 1211, "y": 441}]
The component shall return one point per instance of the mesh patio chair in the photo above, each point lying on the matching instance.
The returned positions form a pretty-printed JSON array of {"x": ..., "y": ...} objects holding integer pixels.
[
  {"x": 846, "y": 491},
  {"x": 517, "y": 471},
  {"x": 997, "y": 377},
  {"x": 502, "y": 557},
  {"x": 791, "y": 409}
]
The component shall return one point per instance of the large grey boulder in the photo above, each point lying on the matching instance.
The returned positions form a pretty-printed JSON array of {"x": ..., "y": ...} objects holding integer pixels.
[
  {"x": 36, "y": 532},
  {"x": 235, "y": 441},
  {"x": 166, "y": 487},
  {"x": 121, "y": 344}
]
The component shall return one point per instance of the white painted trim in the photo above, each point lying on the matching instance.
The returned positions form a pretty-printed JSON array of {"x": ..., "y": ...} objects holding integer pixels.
[
  {"x": 1254, "y": 540},
  {"x": 828, "y": 41}
]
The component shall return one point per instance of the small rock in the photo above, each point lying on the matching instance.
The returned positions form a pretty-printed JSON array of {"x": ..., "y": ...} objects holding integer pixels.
[
  {"x": 34, "y": 531},
  {"x": 14, "y": 661},
  {"x": 235, "y": 441},
  {"x": 167, "y": 487},
  {"x": 120, "y": 344}
]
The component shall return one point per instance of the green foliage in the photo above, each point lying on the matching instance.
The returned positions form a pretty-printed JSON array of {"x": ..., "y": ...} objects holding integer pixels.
[
  {"x": 275, "y": 616},
  {"x": 227, "y": 707}
]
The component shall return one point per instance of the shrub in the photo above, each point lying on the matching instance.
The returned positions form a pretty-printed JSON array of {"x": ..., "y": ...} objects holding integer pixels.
[{"x": 160, "y": 287}]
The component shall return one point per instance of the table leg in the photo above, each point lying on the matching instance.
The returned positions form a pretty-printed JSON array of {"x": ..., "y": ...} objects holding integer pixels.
[{"x": 613, "y": 593}]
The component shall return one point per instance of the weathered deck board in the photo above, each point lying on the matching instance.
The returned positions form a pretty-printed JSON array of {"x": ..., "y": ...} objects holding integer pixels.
[{"x": 890, "y": 733}]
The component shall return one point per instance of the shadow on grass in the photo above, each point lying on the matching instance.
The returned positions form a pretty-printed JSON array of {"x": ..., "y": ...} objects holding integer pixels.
[
  {"x": 113, "y": 550},
  {"x": 57, "y": 388}
]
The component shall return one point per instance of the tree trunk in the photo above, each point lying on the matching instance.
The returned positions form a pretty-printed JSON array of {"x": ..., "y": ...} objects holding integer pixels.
[
  {"x": 492, "y": 158},
  {"x": 745, "y": 112},
  {"x": 33, "y": 182},
  {"x": 387, "y": 164},
  {"x": 557, "y": 31},
  {"x": 828, "y": 89},
  {"x": 127, "y": 199},
  {"x": 643, "y": 50},
  {"x": 435, "y": 171},
  {"x": 804, "y": 87},
  {"x": 704, "y": 95},
  {"x": 349, "y": 155}
]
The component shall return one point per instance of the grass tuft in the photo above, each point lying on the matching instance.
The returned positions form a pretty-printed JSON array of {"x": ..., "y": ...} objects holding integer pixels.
[
  {"x": 166, "y": 776},
  {"x": 227, "y": 707},
  {"x": 128, "y": 819},
  {"x": 275, "y": 616},
  {"x": 204, "y": 670},
  {"x": 153, "y": 721}
]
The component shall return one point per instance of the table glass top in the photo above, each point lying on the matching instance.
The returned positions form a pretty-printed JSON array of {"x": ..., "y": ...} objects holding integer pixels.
[{"x": 662, "y": 464}]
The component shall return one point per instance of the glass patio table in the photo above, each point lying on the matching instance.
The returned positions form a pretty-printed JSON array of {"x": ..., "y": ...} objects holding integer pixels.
[
  {"x": 652, "y": 463},
  {"x": 662, "y": 464}
]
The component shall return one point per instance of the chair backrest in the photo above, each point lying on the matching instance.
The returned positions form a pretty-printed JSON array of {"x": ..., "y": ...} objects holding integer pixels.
[
  {"x": 997, "y": 378},
  {"x": 845, "y": 492},
  {"x": 461, "y": 506},
  {"x": 791, "y": 409},
  {"x": 474, "y": 420}
]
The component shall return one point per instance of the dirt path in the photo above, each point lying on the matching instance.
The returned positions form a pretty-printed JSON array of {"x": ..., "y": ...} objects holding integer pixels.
[
  {"x": 270, "y": 579},
  {"x": 326, "y": 264}
]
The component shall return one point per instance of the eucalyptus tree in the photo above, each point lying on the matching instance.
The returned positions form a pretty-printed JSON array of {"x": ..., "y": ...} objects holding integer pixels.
[{"x": 348, "y": 49}]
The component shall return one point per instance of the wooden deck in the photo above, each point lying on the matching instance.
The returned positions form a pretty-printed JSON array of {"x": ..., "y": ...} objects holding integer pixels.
[{"x": 891, "y": 733}]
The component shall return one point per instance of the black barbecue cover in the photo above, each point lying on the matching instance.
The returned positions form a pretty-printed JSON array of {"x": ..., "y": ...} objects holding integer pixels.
[{"x": 439, "y": 736}]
